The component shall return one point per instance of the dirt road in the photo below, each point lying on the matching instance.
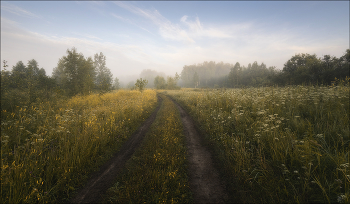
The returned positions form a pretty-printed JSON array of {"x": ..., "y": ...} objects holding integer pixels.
[{"x": 203, "y": 177}]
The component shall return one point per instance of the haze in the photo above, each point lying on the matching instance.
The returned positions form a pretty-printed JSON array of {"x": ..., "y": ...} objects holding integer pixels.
[{"x": 166, "y": 36}]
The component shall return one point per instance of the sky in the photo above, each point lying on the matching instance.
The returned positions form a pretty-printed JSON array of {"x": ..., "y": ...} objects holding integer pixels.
[{"x": 167, "y": 35}]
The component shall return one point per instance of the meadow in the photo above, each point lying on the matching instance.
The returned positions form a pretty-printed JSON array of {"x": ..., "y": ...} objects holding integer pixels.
[
  {"x": 271, "y": 144},
  {"x": 277, "y": 144},
  {"x": 49, "y": 149}
]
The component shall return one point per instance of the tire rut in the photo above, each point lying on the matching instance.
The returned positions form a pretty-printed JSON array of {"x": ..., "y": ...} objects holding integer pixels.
[
  {"x": 204, "y": 179},
  {"x": 104, "y": 178}
]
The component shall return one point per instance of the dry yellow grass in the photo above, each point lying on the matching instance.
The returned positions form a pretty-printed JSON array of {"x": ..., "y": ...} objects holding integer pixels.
[{"x": 47, "y": 151}]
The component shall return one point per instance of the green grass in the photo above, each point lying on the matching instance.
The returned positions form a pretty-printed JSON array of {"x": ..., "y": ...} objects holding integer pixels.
[
  {"x": 277, "y": 145},
  {"x": 157, "y": 172}
]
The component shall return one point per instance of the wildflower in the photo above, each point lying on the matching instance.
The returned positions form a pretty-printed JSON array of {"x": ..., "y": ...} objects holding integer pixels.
[
  {"x": 285, "y": 171},
  {"x": 341, "y": 198},
  {"x": 338, "y": 181},
  {"x": 319, "y": 135}
]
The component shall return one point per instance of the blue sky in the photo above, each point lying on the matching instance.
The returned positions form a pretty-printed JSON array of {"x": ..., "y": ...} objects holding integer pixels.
[{"x": 165, "y": 36}]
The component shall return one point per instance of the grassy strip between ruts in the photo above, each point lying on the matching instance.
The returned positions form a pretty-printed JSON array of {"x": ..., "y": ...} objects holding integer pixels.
[{"x": 157, "y": 172}]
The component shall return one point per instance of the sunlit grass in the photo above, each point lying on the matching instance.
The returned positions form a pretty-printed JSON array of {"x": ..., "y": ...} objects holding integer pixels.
[
  {"x": 48, "y": 150},
  {"x": 157, "y": 172},
  {"x": 275, "y": 144}
]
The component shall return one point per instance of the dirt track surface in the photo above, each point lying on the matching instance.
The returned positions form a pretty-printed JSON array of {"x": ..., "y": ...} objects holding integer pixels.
[
  {"x": 103, "y": 179},
  {"x": 203, "y": 177}
]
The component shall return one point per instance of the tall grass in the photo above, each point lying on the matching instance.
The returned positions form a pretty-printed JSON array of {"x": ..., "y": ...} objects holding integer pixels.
[
  {"x": 275, "y": 144},
  {"x": 48, "y": 150},
  {"x": 157, "y": 172}
]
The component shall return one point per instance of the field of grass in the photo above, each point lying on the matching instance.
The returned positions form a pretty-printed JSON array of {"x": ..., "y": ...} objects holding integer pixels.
[
  {"x": 157, "y": 172},
  {"x": 49, "y": 149},
  {"x": 274, "y": 144}
]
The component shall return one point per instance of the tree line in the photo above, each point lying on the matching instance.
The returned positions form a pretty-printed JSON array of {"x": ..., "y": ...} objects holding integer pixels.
[
  {"x": 74, "y": 74},
  {"x": 299, "y": 69}
]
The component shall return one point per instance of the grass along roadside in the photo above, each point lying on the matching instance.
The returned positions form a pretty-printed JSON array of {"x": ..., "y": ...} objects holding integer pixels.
[
  {"x": 278, "y": 145},
  {"x": 47, "y": 151},
  {"x": 157, "y": 172}
]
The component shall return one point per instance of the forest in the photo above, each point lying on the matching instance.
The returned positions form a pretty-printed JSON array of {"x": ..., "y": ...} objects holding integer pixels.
[{"x": 299, "y": 69}]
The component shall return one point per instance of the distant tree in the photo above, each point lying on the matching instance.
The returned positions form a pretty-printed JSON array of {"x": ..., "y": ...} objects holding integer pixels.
[
  {"x": 32, "y": 73},
  {"x": 5, "y": 79},
  {"x": 233, "y": 76},
  {"x": 104, "y": 76},
  {"x": 74, "y": 73},
  {"x": 159, "y": 82},
  {"x": 195, "y": 80},
  {"x": 150, "y": 75},
  {"x": 141, "y": 84},
  {"x": 116, "y": 84},
  {"x": 18, "y": 75},
  {"x": 172, "y": 82},
  {"x": 177, "y": 77}
]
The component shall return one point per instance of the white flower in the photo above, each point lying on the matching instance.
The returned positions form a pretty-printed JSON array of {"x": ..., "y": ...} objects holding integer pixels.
[
  {"x": 319, "y": 135},
  {"x": 341, "y": 198}
]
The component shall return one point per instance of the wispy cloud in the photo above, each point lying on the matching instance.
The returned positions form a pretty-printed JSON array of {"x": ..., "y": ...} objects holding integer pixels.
[
  {"x": 126, "y": 20},
  {"x": 187, "y": 31},
  {"x": 17, "y": 10}
]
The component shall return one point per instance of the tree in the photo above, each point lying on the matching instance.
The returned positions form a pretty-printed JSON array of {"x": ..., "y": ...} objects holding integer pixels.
[
  {"x": 140, "y": 84},
  {"x": 172, "y": 82},
  {"x": 18, "y": 75},
  {"x": 233, "y": 76},
  {"x": 32, "y": 73},
  {"x": 159, "y": 82},
  {"x": 104, "y": 76},
  {"x": 195, "y": 80},
  {"x": 74, "y": 73},
  {"x": 150, "y": 75},
  {"x": 116, "y": 84}
]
